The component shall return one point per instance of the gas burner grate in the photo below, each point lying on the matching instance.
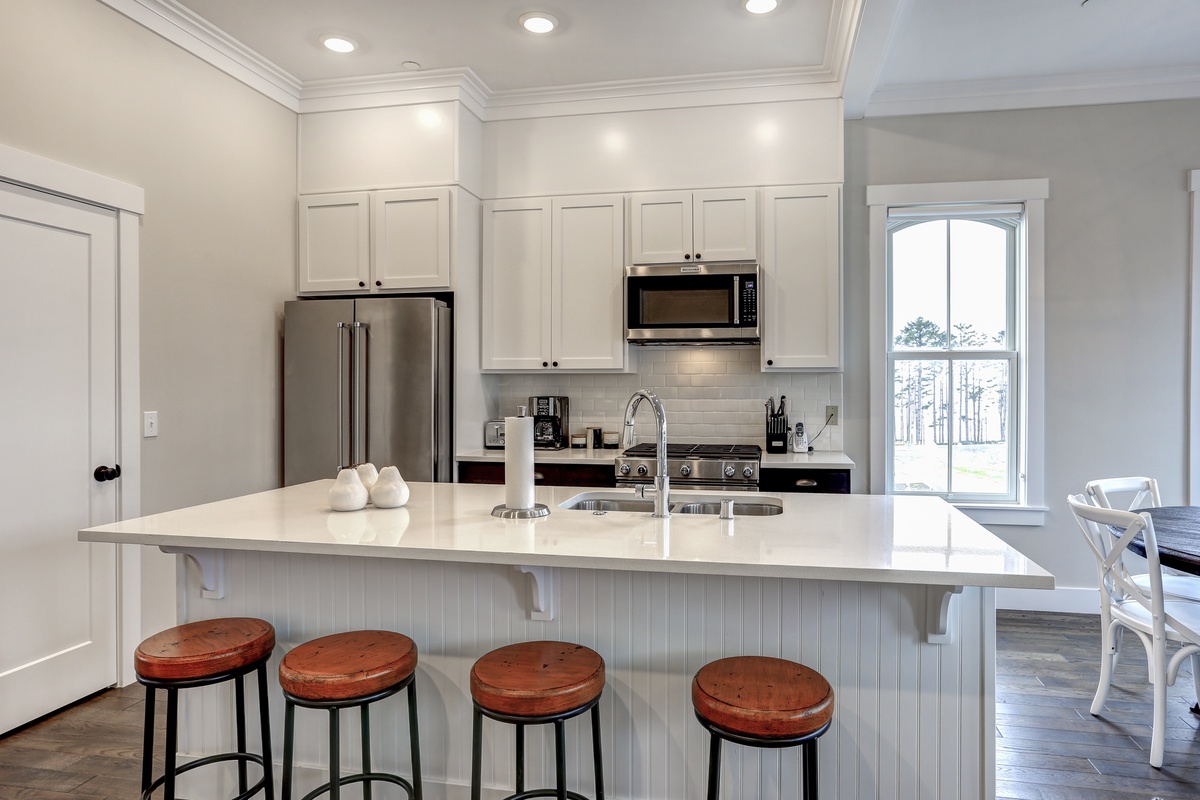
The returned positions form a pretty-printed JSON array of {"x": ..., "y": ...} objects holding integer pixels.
[{"x": 698, "y": 450}]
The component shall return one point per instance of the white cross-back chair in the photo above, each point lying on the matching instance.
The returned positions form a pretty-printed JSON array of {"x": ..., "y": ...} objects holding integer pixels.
[{"x": 1155, "y": 618}]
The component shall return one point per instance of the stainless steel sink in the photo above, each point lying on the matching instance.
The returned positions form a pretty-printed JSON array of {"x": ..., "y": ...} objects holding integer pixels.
[
  {"x": 739, "y": 509},
  {"x": 744, "y": 504}
]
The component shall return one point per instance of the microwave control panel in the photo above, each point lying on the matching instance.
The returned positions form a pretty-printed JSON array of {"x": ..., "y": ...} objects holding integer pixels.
[{"x": 749, "y": 303}]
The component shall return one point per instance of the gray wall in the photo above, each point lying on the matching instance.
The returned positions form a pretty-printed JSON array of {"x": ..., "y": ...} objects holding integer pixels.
[
  {"x": 1116, "y": 284},
  {"x": 83, "y": 85}
]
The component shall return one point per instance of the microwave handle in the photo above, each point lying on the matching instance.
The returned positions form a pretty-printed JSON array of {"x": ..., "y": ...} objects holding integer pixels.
[{"x": 737, "y": 300}]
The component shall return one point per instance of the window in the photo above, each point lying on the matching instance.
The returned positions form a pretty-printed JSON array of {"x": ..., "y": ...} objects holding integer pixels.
[{"x": 957, "y": 345}]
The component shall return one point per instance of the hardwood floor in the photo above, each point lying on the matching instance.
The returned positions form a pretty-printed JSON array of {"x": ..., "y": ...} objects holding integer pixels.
[{"x": 1048, "y": 746}]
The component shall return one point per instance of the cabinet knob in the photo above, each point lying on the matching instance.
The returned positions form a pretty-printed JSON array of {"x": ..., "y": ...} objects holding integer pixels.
[
  {"x": 556, "y": 363},
  {"x": 545, "y": 363},
  {"x": 379, "y": 283},
  {"x": 770, "y": 362},
  {"x": 104, "y": 473},
  {"x": 361, "y": 283},
  {"x": 687, "y": 256},
  {"x": 697, "y": 256}
]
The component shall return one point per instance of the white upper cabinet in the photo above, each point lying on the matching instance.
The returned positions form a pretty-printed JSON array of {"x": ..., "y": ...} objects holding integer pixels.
[
  {"x": 382, "y": 241},
  {"x": 801, "y": 278},
  {"x": 410, "y": 233},
  {"x": 334, "y": 252},
  {"x": 552, "y": 283},
  {"x": 710, "y": 225}
]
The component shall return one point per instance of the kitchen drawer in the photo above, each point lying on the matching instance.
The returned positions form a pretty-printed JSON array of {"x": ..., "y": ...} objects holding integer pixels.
[
  {"x": 828, "y": 481},
  {"x": 600, "y": 475}
]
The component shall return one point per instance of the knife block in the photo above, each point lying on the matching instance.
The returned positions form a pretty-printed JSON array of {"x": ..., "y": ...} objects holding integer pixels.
[{"x": 777, "y": 434}]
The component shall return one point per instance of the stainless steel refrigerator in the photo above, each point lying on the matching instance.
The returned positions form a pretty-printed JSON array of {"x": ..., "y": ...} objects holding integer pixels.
[{"x": 367, "y": 380}]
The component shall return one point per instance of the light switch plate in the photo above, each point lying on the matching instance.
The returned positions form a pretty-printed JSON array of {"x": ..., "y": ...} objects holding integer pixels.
[{"x": 149, "y": 424}]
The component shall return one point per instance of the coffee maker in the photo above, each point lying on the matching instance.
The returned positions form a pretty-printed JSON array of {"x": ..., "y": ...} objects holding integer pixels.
[{"x": 550, "y": 425}]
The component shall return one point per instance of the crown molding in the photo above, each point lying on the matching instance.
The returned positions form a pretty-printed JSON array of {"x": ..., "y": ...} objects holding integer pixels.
[
  {"x": 403, "y": 88},
  {"x": 197, "y": 36},
  {"x": 1012, "y": 94}
]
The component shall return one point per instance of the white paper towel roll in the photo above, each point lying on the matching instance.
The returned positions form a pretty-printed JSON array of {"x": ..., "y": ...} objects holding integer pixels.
[{"x": 518, "y": 462}]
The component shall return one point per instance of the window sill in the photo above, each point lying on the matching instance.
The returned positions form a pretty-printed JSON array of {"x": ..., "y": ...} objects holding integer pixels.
[{"x": 1004, "y": 515}]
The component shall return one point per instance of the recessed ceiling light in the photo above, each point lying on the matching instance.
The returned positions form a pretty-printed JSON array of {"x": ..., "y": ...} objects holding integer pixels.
[
  {"x": 760, "y": 6},
  {"x": 538, "y": 22},
  {"x": 339, "y": 44}
]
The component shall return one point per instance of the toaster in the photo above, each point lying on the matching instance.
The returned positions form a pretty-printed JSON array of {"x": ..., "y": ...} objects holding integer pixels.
[{"x": 493, "y": 434}]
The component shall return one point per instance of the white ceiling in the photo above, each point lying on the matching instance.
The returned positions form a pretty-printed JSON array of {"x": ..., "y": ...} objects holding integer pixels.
[{"x": 907, "y": 56}]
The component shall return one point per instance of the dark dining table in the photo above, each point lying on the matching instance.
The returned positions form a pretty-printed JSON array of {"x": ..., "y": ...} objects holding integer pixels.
[{"x": 1177, "y": 529}]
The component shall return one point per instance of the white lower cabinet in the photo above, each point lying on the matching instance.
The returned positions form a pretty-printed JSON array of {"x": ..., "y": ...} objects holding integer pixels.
[
  {"x": 365, "y": 242},
  {"x": 552, "y": 283},
  {"x": 801, "y": 278}
]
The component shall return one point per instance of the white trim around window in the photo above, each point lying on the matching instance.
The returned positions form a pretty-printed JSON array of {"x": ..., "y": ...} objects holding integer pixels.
[
  {"x": 1194, "y": 344},
  {"x": 1033, "y": 194}
]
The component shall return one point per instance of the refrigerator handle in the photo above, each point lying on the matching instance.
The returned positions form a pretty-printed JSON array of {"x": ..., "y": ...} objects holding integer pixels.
[
  {"x": 358, "y": 395},
  {"x": 341, "y": 406}
]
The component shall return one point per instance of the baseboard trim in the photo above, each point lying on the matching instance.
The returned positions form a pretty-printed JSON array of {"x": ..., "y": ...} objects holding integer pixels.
[{"x": 1064, "y": 600}]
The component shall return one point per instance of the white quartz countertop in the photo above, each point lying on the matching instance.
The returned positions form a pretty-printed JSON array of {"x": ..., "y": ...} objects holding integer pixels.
[
  {"x": 871, "y": 538},
  {"x": 818, "y": 459}
]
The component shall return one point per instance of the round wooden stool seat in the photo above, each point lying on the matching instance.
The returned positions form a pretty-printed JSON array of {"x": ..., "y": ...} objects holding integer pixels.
[
  {"x": 762, "y": 697},
  {"x": 203, "y": 649},
  {"x": 535, "y": 679},
  {"x": 345, "y": 666}
]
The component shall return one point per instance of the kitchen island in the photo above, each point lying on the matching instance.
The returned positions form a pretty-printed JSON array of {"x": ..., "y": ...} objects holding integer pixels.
[{"x": 892, "y": 599}]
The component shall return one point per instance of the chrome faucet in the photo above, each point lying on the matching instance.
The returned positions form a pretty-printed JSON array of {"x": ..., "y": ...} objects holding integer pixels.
[{"x": 662, "y": 483}]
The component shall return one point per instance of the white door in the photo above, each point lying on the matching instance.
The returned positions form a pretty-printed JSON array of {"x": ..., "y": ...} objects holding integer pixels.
[
  {"x": 588, "y": 282},
  {"x": 516, "y": 285},
  {"x": 58, "y": 422}
]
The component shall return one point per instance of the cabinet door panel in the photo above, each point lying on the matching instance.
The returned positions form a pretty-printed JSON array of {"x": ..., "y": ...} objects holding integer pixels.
[
  {"x": 801, "y": 278},
  {"x": 661, "y": 227},
  {"x": 334, "y": 247},
  {"x": 411, "y": 236},
  {"x": 516, "y": 284},
  {"x": 725, "y": 225},
  {"x": 589, "y": 322}
]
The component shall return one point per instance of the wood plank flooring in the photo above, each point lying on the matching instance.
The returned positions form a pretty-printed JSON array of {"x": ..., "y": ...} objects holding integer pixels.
[{"x": 1048, "y": 747}]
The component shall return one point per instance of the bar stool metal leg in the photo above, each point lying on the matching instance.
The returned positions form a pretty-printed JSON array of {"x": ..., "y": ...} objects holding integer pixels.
[
  {"x": 596, "y": 752},
  {"x": 560, "y": 760},
  {"x": 365, "y": 721},
  {"x": 148, "y": 741},
  {"x": 289, "y": 722},
  {"x": 264, "y": 722},
  {"x": 714, "y": 767},
  {"x": 239, "y": 694},
  {"x": 810, "y": 770},
  {"x": 414, "y": 740},
  {"x": 520, "y": 758},
  {"x": 172, "y": 743},
  {"x": 476, "y": 754},
  {"x": 335, "y": 751}
]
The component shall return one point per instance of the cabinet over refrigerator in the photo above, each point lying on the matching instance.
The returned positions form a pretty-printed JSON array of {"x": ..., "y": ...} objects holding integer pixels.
[{"x": 367, "y": 380}]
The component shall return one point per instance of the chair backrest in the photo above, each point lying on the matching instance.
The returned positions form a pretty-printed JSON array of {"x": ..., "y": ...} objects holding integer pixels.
[
  {"x": 1127, "y": 494},
  {"x": 1108, "y": 532}
]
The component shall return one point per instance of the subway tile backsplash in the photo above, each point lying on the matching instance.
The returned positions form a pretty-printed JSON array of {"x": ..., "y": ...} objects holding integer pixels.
[{"x": 711, "y": 394}]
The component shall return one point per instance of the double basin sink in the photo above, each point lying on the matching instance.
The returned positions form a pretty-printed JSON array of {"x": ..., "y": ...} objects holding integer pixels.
[{"x": 744, "y": 504}]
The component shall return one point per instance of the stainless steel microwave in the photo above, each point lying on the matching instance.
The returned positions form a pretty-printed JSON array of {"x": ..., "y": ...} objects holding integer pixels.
[{"x": 692, "y": 303}]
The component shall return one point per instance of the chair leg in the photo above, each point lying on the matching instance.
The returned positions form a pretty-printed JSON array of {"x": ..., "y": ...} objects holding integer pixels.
[
  {"x": 1158, "y": 736},
  {"x": 289, "y": 725},
  {"x": 414, "y": 740},
  {"x": 1106, "y": 671},
  {"x": 239, "y": 714},
  {"x": 264, "y": 715},
  {"x": 810, "y": 769},
  {"x": 335, "y": 753},
  {"x": 477, "y": 755},
  {"x": 560, "y": 760},
  {"x": 172, "y": 743},
  {"x": 148, "y": 741},
  {"x": 714, "y": 767},
  {"x": 596, "y": 748},
  {"x": 365, "y": 724}
]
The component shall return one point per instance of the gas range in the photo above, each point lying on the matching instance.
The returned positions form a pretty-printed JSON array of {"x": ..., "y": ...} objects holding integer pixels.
[{"x": 693, "y": 465}]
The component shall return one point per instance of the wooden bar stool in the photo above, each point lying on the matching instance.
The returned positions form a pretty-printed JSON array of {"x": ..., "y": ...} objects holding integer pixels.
[
  {"x": 347, "y": 670},
  {"x": 201, "y": 654},
  {"x": 762, "y": 702},
  {"x": 537, "y": 683}
]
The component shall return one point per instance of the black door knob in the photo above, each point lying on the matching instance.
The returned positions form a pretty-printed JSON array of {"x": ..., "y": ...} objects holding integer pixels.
[{"x": 104, "y": 473}]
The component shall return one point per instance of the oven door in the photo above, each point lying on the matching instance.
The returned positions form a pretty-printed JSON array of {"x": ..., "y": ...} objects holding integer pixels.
[{"x": 715, "y": 303}]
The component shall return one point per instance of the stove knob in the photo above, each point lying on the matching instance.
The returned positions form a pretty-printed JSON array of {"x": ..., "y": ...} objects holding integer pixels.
[
  {"x": 641, "y": 470},
  {"x": 624, "y": 469},
  {"x": 748, "y": 472},
  {"x": 685, "y": 470},
  {"x": 728, "y": 472}
]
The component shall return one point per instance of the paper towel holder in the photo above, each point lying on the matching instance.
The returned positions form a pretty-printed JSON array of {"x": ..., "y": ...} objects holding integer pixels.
[{"x": 533, "y": 512}]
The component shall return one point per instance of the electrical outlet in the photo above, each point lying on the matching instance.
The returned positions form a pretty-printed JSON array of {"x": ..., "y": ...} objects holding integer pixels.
[
  {"x": 149, "y": 424},
  {"x": 831, "y": 415}
]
